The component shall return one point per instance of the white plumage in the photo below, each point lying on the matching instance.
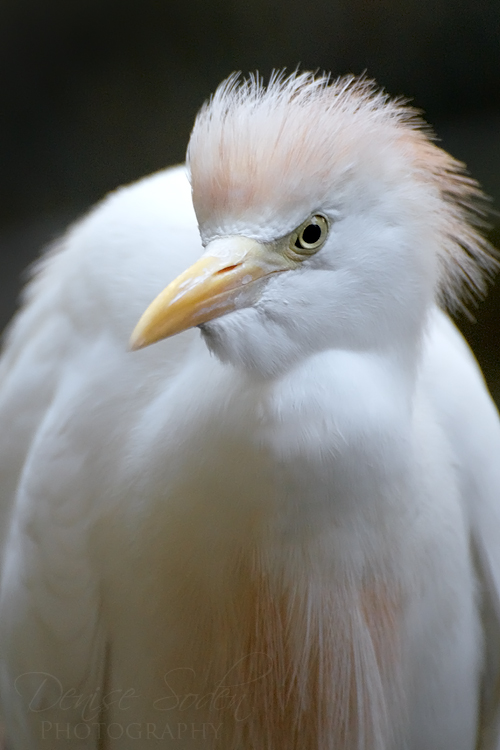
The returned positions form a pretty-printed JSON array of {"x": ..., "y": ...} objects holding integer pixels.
[{"x": 293, "y": 544}]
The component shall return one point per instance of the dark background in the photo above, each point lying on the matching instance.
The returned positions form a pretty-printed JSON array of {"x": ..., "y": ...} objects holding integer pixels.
[{"x": 95, "y": 93}]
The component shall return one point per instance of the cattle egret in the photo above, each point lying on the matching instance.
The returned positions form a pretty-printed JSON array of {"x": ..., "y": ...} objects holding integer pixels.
[{"x": 280, "y": 531}]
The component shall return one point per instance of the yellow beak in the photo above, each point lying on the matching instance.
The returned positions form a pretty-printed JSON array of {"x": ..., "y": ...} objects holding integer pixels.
[{"x": 213, "y": 286}]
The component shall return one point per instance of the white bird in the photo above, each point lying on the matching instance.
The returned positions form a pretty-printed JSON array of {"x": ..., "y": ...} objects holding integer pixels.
[{"x": 293, "y": 544}]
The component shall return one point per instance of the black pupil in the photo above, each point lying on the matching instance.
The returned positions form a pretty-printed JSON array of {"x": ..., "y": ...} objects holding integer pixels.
[{"x": 311, "y": 234}]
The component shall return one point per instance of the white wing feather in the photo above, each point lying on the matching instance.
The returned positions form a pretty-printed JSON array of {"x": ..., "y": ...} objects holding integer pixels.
[
  {"x": 453, "y": 380},
  {"x": 68, "y": 387}
]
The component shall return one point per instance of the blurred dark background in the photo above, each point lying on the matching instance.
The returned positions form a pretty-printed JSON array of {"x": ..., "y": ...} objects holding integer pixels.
[{"x": 96, "y": 93}]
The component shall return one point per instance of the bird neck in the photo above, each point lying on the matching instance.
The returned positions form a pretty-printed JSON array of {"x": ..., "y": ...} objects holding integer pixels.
[
  {"x": 336, "y": 432},
  {"x": 316, "y": 591},
  {"x": 281, "y": 511}
]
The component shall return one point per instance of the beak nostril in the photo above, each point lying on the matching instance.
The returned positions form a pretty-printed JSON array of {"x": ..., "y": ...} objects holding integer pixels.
[{"x": 226, "y": 269}]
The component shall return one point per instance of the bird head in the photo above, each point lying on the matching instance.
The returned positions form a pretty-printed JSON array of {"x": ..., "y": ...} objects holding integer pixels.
[{"x": 329, "y": 219}]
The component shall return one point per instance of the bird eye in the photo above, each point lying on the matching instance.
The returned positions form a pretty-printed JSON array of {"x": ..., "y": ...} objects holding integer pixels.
[{"x": 311, "y": 235}]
